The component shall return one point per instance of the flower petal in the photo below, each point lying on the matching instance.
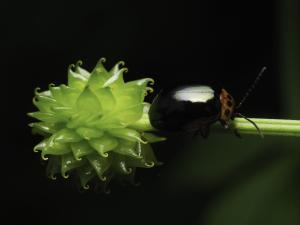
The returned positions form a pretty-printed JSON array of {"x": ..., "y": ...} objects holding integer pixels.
[
  {"x": 116, "y": 78},
  {"x": 68, "y": 162},
  {"x": 44, "y": 103},
  {"x": 88, "y": 102},
  {"x": 134, "y": 162},
  {"x": 81, "y": 71},
  {"x": 98, "y": 76},
  {"x": 116, "y": 75},
  {"x": 100, "y": 164},
  {"x": 53, "y": 167},
  {"x": 143, "y": 123},
  {"x": 43, "y": 93},
  {"x": 86, "y": 173},
  {"x": 63, "y": 111},
  {"x": 147, "y": 152},
  {"x": 88, "y": 133},
  {"x": 127, "y": 134},
  {"x": 127, "y": 97},
  {"x": 121, "y": 118},
  {"x": 47, "y": 117},
  {"x": 44, "y": 127},
  {"x": 141, "y": 84},
  {"x": 120, "y": 165},
  {"x": 81, "y": 149},
  {"x": 57, "y": 94},
  {"x": 127, "y": 148},
  {"x": 70, "y": 95},
  {"x": 84, "y": 118},
  {"x": 152, "y": 138},
  {"x": 53, "y": 148},
  {"x": 66, "y": 135},
  {"x": 148, "y": 158},
  {"x": 76, "y": 80},
  {"x": 104, "y": 144},
  {"x": 106, "y": 99}
]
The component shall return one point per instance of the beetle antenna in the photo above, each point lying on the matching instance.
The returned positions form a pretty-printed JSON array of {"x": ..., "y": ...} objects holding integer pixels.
[
  {"x": 254, "y": 124},
  {"x": 252, "y": 87}
]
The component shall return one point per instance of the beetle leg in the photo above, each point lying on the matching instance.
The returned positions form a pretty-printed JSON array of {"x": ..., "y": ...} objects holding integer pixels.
[
  {"x": 237, "y": 134},
  {"x": 226, "y": 126}
]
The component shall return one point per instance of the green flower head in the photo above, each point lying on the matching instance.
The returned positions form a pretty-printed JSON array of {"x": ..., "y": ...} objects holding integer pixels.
[{"x": 96, "y": 127}]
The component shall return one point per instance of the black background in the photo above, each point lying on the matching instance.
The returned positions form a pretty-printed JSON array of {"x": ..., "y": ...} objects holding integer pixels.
[{"x": 170, "y": 41}]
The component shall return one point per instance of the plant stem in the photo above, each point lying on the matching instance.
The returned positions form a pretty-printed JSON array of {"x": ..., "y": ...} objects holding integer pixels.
[
  {"x": 274, "y": 127},
  {"x": 277, "y": 127}
]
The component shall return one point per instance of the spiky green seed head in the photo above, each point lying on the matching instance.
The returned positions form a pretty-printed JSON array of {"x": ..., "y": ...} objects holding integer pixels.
[{"x": 96, "y": 127}]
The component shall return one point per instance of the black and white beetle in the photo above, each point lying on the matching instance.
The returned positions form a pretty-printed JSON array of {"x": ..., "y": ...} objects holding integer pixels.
[{"x": 195, "y": 107}]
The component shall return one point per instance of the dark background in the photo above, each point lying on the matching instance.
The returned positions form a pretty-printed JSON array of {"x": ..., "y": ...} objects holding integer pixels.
[{"x": 202, "y": 182}]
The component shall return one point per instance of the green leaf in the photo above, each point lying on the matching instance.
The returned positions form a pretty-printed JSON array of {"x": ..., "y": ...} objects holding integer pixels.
[{"x": 104, "y": 144}]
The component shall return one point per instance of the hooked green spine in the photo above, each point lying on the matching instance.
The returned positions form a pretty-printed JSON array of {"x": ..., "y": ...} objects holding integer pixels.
[{"x": 97, "y": 126}]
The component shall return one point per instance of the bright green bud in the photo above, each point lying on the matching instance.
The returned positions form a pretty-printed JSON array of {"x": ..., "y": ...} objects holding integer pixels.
[{"x": 97, "y": 126}]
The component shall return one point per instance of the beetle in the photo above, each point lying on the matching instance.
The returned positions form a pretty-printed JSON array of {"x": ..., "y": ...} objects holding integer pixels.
[{"x": 196, "y": 107}]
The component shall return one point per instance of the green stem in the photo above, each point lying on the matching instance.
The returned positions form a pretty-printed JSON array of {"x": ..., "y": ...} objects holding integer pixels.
[{"x": 275, "y": 127}]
